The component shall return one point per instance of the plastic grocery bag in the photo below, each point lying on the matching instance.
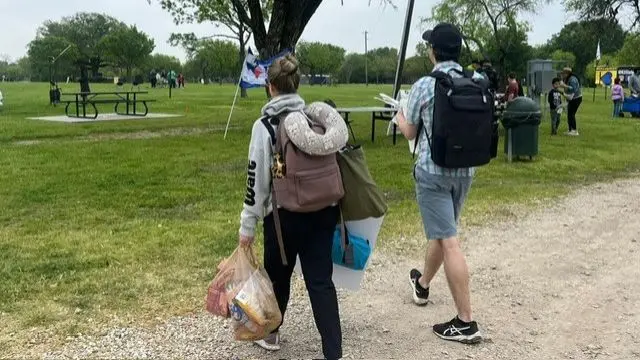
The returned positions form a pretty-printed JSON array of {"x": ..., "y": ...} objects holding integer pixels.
[
  {"x": 216, "y": 300},
  {"x": 252, "y": 303}
]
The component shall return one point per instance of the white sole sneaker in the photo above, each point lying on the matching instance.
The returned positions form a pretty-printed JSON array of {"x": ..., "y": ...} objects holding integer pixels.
[
  {"x": 418, "y": 301},
  {"x": 465, "y": 339},
  {"x": 273, "y": 343},
  {"x": 270, "y": 347}
]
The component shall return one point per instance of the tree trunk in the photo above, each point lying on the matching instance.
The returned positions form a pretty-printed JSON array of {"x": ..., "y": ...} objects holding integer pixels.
[
  {"x": 287, "y": 22},
  {"x": 84, "y": 79},
  {"x": 129, "y": 79}
]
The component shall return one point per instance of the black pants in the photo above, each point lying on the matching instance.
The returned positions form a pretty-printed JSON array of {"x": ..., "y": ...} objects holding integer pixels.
[
  {"x": 309, "y": 235},
  {"x": 572, "y": 109}
]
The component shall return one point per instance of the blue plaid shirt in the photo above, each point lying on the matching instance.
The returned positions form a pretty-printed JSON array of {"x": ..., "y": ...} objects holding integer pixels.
[{"x": 422, "y": 93}]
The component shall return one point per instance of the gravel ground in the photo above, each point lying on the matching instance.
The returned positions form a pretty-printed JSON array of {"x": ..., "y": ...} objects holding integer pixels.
[{"x": 561, "y": 283}]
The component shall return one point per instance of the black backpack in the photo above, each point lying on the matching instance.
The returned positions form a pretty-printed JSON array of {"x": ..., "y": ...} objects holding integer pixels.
[{"x": 463, "y": 117}]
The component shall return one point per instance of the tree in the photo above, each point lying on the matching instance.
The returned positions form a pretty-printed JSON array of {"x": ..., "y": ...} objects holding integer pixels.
[
  {"x": 542, "y": 51},
  {"x": 518, "y": 51},
  {"x": 414, "y": 69},
  {"x": 159, "y": 62},
  {"x": 287, "y": 22},
  {"x": 85, "y": 31},
  {"x": 213, "y": 58},
  {"x": 127, "y": 48},
  {"x": 564, "y": 58},
  {"x": 221, "y": 58},
  {"x": 43, "y": 50},
  {"x": 352, "y": 69},
  {"x": 320, "y": 59},
  {"x": 383, "y": 62},
  {"x": 611, "y": 10},
  {"x": 218, "y": 12},
  {"x": 629, "y": 54},
  {"x": 14, "y": 71},
  {"x": 481, "y": 22},
  {"x": 581, "y": 39}
]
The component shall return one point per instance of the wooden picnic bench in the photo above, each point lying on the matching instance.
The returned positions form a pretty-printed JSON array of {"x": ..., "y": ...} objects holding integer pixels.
[{"x": 84, "y": 99}]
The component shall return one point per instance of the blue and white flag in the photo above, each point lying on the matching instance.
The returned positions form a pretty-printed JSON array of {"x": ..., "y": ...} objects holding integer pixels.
[{"x": 254, "y": 71}]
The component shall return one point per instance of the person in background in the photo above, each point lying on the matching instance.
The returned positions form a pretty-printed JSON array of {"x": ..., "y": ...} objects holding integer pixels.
[
  {"x": 172, "y": 78},
  {"x": 512, "y": 87},
  {"x": 573, "y": 93},
  {"x": 152, "y": 78},
  {"x": 520, "y": 88},
  {"x": 634, "y": 84},
  {"x": 180, "y": 81},
  {"x": 490, "y": 74},
  {"x": 617, "y": 96},
  {"x": 555, "y": 105}
]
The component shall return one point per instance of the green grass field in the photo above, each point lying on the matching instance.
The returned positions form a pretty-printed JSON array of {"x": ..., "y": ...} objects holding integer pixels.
[{"x": 104, "y": 223}]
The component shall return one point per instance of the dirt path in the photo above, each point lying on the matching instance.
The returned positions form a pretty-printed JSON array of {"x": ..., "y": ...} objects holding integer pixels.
[{"x": 561, "y": 283}]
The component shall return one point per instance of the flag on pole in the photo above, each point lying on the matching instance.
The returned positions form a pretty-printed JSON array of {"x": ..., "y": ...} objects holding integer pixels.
[
  {"x": 254, "y": 71},
  {"x": 252, "y": 75},
  {"x": 598, "y": 54}
]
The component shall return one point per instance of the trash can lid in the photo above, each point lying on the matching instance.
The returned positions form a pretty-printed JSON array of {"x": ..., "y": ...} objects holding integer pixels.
[{"x": 522, "y": 105}]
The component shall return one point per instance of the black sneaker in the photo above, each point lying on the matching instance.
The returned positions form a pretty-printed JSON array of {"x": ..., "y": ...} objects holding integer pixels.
[
  {"x": 457, "y": 330},
  {"x": 420, "y": 294}
]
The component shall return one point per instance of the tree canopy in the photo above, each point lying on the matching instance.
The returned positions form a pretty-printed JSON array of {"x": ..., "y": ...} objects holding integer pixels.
[
  {"x": 213, "y": 60},
  {"x": 219, "y": 13},
  {"x": 488, "y": 25},
  {"x": 581, "y": 39},
  {"x": 612, "y": 10},
  {"x": 83, "y": 31},
  {"x": 127, "y": 48},
  {"x": 320, "y": 59},
  {"x": 491, "y": 29}
]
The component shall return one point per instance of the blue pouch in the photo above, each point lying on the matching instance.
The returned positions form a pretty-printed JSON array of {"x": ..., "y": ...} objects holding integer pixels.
[{"x": 354, "y": 254}]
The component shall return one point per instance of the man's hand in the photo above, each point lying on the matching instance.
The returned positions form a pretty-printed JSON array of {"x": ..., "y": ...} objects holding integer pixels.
[
  {"x": 246, "y": 240},
  {"x": 400, "y": 117},
  {"x": 409, "y": 131}
]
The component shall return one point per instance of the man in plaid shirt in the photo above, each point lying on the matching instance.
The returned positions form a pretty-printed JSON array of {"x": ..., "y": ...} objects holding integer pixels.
[{"x": 440, "y": 192}]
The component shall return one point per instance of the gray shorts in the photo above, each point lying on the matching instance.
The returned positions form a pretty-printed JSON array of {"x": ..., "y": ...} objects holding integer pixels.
[{"x": 440, "y": 199}]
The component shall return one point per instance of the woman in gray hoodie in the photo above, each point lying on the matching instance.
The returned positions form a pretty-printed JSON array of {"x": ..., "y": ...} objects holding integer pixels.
[{"x": 307, "y": 235}]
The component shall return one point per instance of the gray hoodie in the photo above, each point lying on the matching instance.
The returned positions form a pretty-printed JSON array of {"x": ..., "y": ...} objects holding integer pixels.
[{"x": 257, "y": 202}]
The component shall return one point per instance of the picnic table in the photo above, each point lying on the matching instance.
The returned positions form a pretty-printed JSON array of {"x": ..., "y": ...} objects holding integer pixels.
[
  {"x": 82, "y": 99},
  {"x": 377, "y": 113}
]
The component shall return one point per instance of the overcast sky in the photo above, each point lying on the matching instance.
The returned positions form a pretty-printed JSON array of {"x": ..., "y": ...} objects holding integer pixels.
[{"x": 340, "y": 25}]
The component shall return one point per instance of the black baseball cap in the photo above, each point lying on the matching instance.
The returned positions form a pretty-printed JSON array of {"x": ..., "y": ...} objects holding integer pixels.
[{"x": 444, "y": 37}]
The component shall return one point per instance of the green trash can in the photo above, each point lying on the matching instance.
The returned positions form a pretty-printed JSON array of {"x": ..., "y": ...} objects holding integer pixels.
[{"x": 521, "y": 120}]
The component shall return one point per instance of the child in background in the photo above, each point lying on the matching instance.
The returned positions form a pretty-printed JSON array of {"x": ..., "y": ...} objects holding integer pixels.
[
  {"x": 617, "y": 95},
  {"x": 555, "y": 105}
]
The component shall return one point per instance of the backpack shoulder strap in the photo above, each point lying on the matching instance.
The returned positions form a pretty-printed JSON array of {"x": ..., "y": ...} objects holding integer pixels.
[
  {"x": 266, "y": 121},
  {"x": 439, "y": 75},
  {"x": 468, "y": 73},
  {"x": 419, "y": 131}
]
